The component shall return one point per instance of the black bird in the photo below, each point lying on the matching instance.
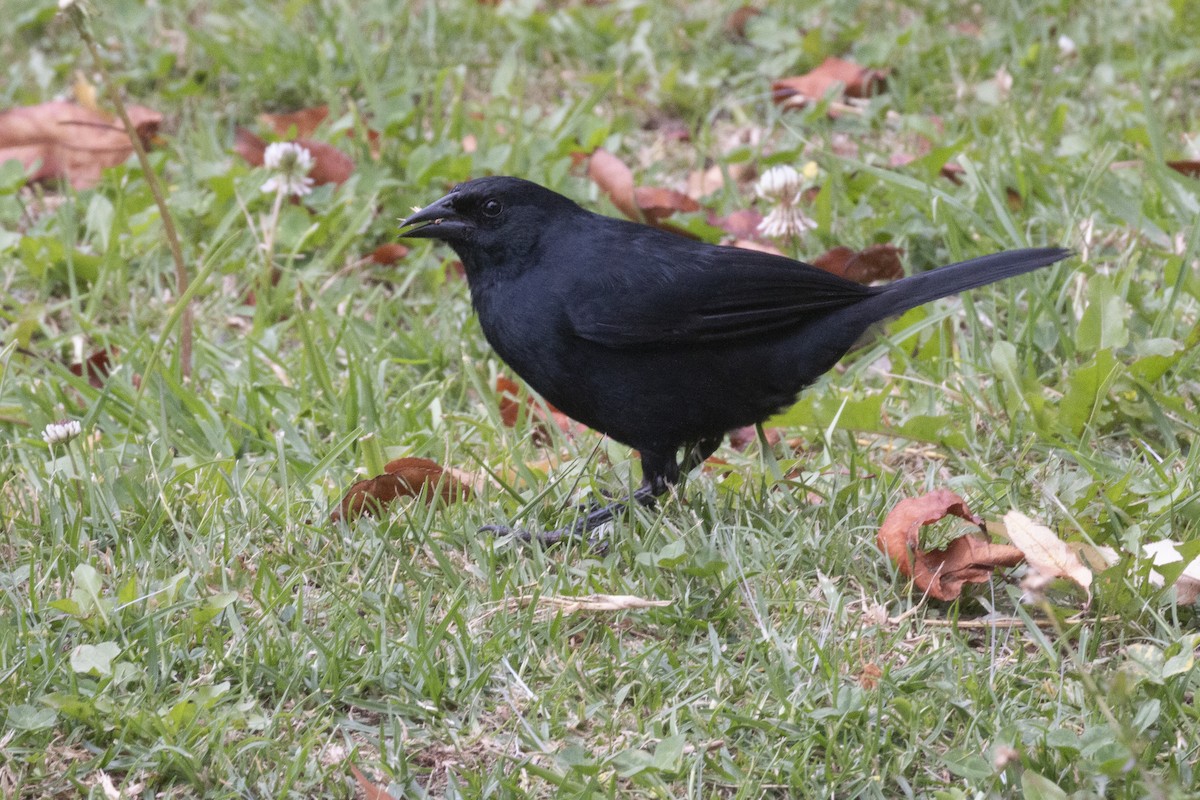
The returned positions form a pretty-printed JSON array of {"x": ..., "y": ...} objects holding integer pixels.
[{"x": 658, "y": 341}]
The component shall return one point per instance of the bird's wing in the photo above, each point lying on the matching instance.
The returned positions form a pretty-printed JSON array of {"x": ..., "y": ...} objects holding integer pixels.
[{"x": 718, "y": 294}]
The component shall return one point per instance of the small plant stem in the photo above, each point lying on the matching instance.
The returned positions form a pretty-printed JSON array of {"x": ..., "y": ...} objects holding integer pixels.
[{"x": 186, "y": 323}]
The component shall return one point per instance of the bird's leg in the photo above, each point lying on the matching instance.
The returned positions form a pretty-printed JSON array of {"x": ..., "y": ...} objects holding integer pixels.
[
  {"x": 660, "y": 471},
  {"x": 697, "y": 453}
]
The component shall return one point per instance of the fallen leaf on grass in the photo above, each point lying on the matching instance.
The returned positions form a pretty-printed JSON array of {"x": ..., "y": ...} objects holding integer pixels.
[
  {"x": 1044, "y": 552},
  {"x": 404, "y": 477},
  {"x": 510, "y": 410},
  {"x": 299, "y": 124},
  {"x": 98, "y": 366},
  {"x": 389, "y": 253},
  {"x": 71, "y": 142},
  {"x": 940, "y": 573},
  {"x": 879, "y": 262},
  {"x": 740, "y": 438},
  {"x": 330, "y": 164},
  {"x": 1187, "y": 585},
  {"x": 735, "y": 23},
  {"x": 760, "y": 247},
  {"x": 646, "y": 204},
  {"x": 370, "y": 789},
  {"x": 657, "y": 203},
  {"x": 741, "y": 224},
  {"x": 1189, "y": 168},
  {"x": 855, "y": 81}
]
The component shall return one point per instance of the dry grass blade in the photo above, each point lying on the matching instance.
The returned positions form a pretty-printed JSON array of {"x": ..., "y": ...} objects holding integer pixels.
[{"x": 548, "y": 605}]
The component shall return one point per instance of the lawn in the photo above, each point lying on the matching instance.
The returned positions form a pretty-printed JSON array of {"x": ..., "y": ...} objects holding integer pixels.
[{"x": 179, "y": 617}]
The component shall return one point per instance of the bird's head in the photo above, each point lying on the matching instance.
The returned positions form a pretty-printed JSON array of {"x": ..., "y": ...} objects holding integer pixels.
[{"x": 489, "y": 219}]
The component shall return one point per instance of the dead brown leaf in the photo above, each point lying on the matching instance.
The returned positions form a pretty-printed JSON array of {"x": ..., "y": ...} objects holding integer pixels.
[
  {"x": 941, "y": 573},
  {"x": 854, "y": 80},
  {"x": 740, "y": 438},
  {"x": 68, "y": 141},
  {"x": 761, "y": 247},
  {"x": 741, "y": 224},
  {"x": 330, "y": 164},
  {"x": 510, "y": 411},
  {"x": 879, "y": 262},
  {"x": 658, "y": 203},
  {"x": 1189, "y": 168},
  {"x": 1045, "y": 552},
  {"x": 98, "y": 365},
  {"x": 296, "y": 124},
  {"x": 404, "y": 477},
  {"x": 388, "y": 253},
  {"x": 616, "y": 180},
  {"x": 370, "y": 789}
]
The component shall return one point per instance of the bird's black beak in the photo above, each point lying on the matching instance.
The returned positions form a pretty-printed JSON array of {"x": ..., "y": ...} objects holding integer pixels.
[{"x": 437, "y": 220}]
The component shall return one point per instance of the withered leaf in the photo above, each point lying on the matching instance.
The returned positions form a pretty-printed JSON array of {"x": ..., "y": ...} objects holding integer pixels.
[
  {"x": 98, "y": 366},
  {"x": 940, "y": 573},
  {"x": 1044, "y": 551},
  {"x": 296, "y": 124},
  {"x": 740, "y": 438},
  {"x": 616, "y": 180},
  {"x": 879, "y": 262},
  {"x": 657, "y": 203},
  {"x": 388, "y": 253},
  {"x": 68, "y": 141},
  {"x": 403, "y": 477},
  {"x": 741, "y": 224},
  {"x": 510, "y": 411},
  {"x": 330, "y": 164},
  {"x": 855, "y": 80},
  {"x": 1189, "y": 168}
]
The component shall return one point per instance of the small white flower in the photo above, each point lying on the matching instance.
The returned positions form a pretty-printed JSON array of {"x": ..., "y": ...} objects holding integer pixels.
[
  {"x": 785, "y": 220},
  {"x": 61, "y": 432},
  {"x": 780, "y": 184},
  {"x": 1066, "y": 45},
  {"x": 65, "y": 4},
  {"x": 291, "y": 164},
  {"x": 783, "y": 185}
]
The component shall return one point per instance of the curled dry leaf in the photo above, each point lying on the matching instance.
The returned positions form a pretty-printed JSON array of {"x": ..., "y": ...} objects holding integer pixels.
[
  {"x": 1189, "y": 168},
  {"x": 855, "y": 80},
  {"x": 941, "y": 573},
  {"x": 510, "y": 410},
  {"x": 616, "y": 180},
  {"x": 388, "y": 253},
  {"x": 1045, "y": 552},
  {"x": 641, "y": 204},
  {"x": 330, "y": 164},
  {"x": 735, "y": 23},
  {"x": 404, "y": 477},
  {"x": 71, "y": 142},
  {"x": 98, "y": 366},
  {"x": 658, "y": 204},
  {"x": 879, "y": 262},
  {"x": 370, "y": 789},
  {"x": 296, "y": 124},
  {"x": 740, "y": 438}
]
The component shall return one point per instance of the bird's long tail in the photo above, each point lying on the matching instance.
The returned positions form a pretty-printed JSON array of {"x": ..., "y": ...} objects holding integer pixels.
[{"x": 915, "y": 290}]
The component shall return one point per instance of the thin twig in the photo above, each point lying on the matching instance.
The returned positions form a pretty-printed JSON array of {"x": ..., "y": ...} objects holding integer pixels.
[{"x": 186, "y": 324}]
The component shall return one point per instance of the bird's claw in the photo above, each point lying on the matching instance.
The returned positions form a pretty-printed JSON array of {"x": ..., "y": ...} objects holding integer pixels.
[{"x": 550, "y": 538}]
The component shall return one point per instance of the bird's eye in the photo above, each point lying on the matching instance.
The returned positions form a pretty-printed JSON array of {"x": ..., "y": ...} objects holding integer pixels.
[{"x": 492, "y": 208}]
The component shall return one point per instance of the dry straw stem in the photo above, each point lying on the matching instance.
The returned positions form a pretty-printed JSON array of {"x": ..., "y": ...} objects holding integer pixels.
[
  {"x": 549, "y": 605},
  {"x": 186, "y": 324}
]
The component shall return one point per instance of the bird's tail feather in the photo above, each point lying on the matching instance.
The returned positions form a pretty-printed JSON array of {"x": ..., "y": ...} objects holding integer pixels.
[{"x": 915, "y": 290}]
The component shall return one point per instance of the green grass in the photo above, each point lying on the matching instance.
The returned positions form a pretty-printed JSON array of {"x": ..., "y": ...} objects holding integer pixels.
[{"x": 177, "y": 614}]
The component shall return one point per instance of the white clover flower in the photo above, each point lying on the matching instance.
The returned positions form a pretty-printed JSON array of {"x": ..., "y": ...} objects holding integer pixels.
[
  {"x": 61, "y": 432},
  {"x": 1066, "y": 45},
  {"x": 785, "y": 220},
  {"x": 780, "y": 184},
  {"x": 783, "y": 185},
  {"x": 291, "y": 164}
]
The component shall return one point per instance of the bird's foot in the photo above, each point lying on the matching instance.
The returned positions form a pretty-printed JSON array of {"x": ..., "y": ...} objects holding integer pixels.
[{"x": 596, "y": 516}]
